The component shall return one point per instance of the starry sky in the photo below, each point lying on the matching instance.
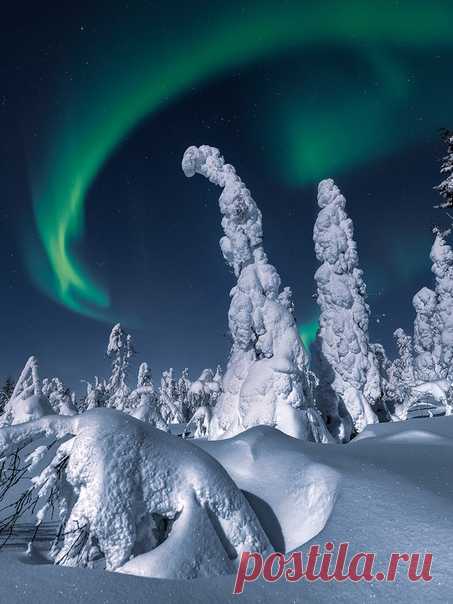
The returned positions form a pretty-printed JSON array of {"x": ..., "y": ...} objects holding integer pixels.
[{"x": 99, "y": 225}]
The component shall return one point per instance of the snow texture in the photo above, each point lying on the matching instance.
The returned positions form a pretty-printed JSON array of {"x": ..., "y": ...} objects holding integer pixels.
[{"x": 267, "y": 379}]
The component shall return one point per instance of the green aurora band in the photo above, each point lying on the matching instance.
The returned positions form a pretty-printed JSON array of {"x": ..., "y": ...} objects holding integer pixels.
[
  {"x": 308, "y": 331},
  {"x": 137, "y": 67}
]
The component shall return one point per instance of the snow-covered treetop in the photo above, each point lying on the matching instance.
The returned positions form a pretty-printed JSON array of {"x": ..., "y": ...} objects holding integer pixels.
[
  {"x": 242, "y": 224},
  {"x": 144, "y": 377},
  {"x": 115, "y": 340},
  {"x": 334, "y": 231}
]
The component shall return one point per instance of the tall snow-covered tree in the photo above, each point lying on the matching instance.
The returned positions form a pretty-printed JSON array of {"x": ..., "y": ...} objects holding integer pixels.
[
  {"x": 442, "y": 267},
  {"x": 345, "y": 363},
  {"x": 401, "y": 370},
  {"x": 168, "y": 399},
  {"x": 120, "y": 350},
  {"x": 183, "y": 387},
  {"x": 427, "y": 348},
  {"x": 6, "y": 392},
  {"x": 267, "y": 376},
  {"x": 446, "y": 186}
]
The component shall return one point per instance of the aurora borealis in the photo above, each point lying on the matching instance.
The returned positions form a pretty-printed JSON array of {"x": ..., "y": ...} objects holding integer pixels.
[
  {"x": 132, "y": 74},
  {"x": 99, "y": 106}
]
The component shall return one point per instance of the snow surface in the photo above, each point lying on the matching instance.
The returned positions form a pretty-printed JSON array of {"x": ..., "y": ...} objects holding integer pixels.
[{"x": 390, "y": 489}]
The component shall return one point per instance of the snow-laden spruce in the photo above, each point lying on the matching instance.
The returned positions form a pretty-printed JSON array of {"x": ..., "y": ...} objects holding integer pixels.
[
  {"x": 267, "y": 380},
  {"x": 345, "y": 363},
  {"x": 151, "y": 503},
  {"x": 446, "y": 186},
  {"x": 61, "y": 399},
  {"x": 203, "y": 395},
  {"x": 427, "y": 349},
  {"x": 120, "y": 350},
  {"x": 442, "y": 267}
]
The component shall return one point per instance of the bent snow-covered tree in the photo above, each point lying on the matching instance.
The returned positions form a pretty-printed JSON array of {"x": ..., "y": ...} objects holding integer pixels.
[
  {"x": 344, "y": 360},
  {"x": 267, "y": 380},
  {"x": 150, "y": 503}
]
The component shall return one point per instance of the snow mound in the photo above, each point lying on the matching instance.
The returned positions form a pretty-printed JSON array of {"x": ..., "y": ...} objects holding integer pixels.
[
  {"x": 134, "y": 488},
  {"x": 292, "y": 493}
]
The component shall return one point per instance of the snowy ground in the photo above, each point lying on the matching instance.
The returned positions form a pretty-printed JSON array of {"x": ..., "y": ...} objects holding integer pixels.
[{"x": 388, "y": 490}]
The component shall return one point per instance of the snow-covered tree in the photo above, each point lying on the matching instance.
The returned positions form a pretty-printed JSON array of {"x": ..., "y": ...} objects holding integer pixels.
[
  {"x": 267, "y": 376},
  {"x": 145, "y": 401},
  {"x": 344, "y": 361},
  {"x": 204, "y": 391},
  {"x": 27, "y": 401},
  {"x": 401, "y": 371},
  {"x": 203, "y": 396},
  {"x": 148, "y": 502},
  {"x": 446, "y": 186},
  {"x": 96, "y": 394},
  {"x": 442, "y": 267},
  {"x": 59, "y": 396},
  {"x": 168, "y": 399},
  {"x": 183, "y": 387},
  {"x": 6, "y": 392},
  {"x": 120, "y": 350},
  {"x": 218, "y": 375},
  {"x": 427, "y": 348}
]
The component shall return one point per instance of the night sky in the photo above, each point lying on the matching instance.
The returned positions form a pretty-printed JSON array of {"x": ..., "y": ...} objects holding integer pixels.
[{"x": 98, "y": 223}]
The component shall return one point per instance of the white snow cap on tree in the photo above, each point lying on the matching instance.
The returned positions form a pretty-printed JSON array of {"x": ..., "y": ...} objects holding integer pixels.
[
  {"x": 347, "y": 367},
  {"x": 267, "y": 377}
]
